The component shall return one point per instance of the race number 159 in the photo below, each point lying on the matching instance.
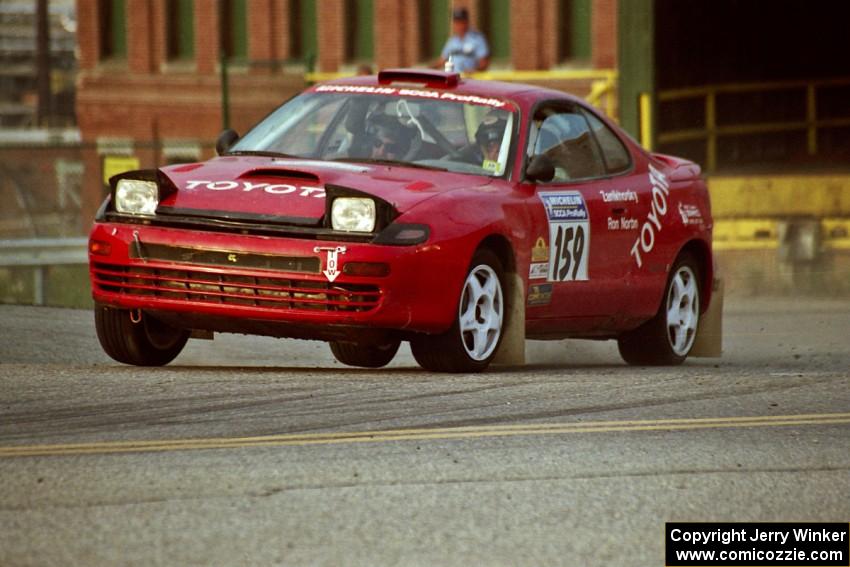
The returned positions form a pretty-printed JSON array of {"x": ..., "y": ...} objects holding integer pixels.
[{"x": 568, "y": 260}]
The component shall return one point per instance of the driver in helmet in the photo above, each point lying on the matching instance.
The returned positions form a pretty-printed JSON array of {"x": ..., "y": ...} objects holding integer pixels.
[
  {"x": 388, "y": 138},
  {"x": 489, "y": 137},
  {"x": 488, "y": 142}
]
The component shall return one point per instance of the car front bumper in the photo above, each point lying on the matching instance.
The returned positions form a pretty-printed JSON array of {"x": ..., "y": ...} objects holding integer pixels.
[{"x": 279, "y": 286}]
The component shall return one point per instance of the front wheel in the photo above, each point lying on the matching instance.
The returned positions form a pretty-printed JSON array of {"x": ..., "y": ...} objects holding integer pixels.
[
  {"x": 365, "y": 356},
  {"x": 471, "y": 342},
  {"x": 667, "y": 338},
  {"x": 142, "y": 341}
]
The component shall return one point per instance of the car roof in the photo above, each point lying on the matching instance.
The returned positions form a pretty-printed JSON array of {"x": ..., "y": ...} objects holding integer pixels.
[{"x": 525, "y": 96}]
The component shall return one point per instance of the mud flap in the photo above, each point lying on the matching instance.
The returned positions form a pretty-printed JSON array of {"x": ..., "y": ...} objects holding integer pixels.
[
  {"x": 709, "y": 341},
  {"x": 512, "y": 348}
]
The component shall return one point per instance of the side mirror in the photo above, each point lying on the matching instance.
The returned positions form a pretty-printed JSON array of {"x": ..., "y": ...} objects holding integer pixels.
[
  {"x": 225, "y": 141},
  {"x": 540, "y": 169}
]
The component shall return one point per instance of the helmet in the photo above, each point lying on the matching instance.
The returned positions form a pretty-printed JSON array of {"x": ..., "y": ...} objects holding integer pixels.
[
  {"x": 491, "y": 129},
  {"x": 383, "y": 129}
]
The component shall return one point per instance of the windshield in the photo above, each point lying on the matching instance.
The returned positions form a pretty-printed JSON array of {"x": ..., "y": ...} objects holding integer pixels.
[{"x": 397, "y": 126}]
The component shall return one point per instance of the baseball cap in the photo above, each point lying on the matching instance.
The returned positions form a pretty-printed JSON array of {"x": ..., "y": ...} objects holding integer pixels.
[{"x": 460, "y": 14}]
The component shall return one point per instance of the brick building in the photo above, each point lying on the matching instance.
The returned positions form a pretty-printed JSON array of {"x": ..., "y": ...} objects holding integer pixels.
[
  {"x": 726, "y": 83},
  {"x": 150, "y": 82}
]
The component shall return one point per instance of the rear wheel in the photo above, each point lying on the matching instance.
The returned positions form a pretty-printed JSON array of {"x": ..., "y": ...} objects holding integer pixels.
[
  {"x": 471, "y": 342},
  {"x": 148, "y": 342},
  {"x": 667, "y": 338},
  {"x": 365, "y": 356}
]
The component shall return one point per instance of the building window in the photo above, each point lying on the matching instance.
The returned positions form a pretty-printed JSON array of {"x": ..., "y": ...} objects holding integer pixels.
[
  {"x": 496, "y": 26},
  {"x": 181, "y": 29},
  {"x": 302, "y": 31},
  {"x": 359, "y": 30},
  {"x": 434, "y": 19},
  {"x": 235, "y": 29},
  {"x": 574, "y": 40},
  {"x": 113, "y": 29}
]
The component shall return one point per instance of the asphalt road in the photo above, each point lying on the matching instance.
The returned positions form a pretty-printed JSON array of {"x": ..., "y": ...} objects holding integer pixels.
[{"x": 252, "y": 451}]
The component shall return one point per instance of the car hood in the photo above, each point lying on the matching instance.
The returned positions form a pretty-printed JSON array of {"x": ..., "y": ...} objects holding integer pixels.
[{"x": 293, "y": 190}]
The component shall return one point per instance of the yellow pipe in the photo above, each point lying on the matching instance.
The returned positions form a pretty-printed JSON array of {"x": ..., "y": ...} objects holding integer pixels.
[
  {"x": 598, "y": 90},
  {"x": 646, "y": 121},
  {"x": 695, "y": 92},
  {"x": 761, "y": 128},
  {"x": 609, "y": 75},
  {"x": 562, "y": 74}
]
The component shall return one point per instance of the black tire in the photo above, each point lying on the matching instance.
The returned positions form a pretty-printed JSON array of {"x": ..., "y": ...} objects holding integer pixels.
[
  {"x": 364, "y": 356},
  {"x": 451, "y": 351},
  {"x": 149, "y": 342},
  {"x": 653, "y": 343}
]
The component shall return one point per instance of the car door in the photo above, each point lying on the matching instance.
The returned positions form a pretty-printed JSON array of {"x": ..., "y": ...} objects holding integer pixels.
[
  {"x": 583, "y": 272},
  {"x": 625, "y": 193}
]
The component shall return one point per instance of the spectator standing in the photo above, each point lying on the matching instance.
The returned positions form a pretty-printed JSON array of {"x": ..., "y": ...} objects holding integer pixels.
[{"x": 466, "y": 48}]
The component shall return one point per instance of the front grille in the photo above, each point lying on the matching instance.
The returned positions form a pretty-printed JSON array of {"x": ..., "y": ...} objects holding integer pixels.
[
  {"x": 243, "y": 260},
  {"x": 228, "y": 288}
]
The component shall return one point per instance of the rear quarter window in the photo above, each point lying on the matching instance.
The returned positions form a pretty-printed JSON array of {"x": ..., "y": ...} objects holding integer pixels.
[{"x": 615, "y": 154}]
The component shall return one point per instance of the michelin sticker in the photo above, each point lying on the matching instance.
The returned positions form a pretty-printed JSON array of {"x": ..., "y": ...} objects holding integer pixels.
[{"x": 569, "y": 235}]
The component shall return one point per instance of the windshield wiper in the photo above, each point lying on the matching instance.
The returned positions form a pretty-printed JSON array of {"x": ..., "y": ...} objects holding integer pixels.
[
  {"x": 260, "y": 153},
  {"x": 380, "y": 161}
]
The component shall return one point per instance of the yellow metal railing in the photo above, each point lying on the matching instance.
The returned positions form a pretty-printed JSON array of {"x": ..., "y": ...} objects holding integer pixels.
[
  {"x": 711, "y": 131},
  {"x": 603, "y": 94},
  {"x": 603, "y": 89},
  {"x": 764, "y": 234},
  {"x": 645, "y": 120},
  {"x": 778, "y": 195}
]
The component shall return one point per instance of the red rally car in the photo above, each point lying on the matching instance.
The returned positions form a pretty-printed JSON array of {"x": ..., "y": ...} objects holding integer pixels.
[{"x": 462, "y": 216}]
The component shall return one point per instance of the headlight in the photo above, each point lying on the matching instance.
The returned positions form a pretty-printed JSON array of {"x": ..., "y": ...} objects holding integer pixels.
[
  {"x": 136, "y": 197},
  {"x": 355, "y": 214}
]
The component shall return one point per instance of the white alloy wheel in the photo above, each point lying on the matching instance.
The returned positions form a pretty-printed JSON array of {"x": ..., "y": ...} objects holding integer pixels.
[
  {"x": 480, "y": 312},
  {"x": 470, "y": 343},
  {"x": 682, "y": 310}
]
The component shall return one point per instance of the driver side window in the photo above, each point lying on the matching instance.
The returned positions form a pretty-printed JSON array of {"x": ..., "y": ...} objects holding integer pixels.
[{"x": 564, "y": 137}]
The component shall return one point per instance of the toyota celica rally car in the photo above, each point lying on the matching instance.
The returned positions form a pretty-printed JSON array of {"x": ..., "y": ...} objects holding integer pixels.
[{"x": 462, "y": 216}]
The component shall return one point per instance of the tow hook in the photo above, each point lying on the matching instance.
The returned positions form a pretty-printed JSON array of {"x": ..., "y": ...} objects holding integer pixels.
[
  {"x": 136, "y": 316},
  {"x": 138, "y": 243}
]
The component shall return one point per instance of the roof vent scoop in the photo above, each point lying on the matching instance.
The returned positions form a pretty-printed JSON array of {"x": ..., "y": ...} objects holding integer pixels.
[{"x": 428, "y": 77}]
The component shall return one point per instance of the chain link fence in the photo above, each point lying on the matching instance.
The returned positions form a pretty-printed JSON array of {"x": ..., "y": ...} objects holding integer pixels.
[
  {"x": 41, "y": 189},
  {"x": 41, "y": 199}
]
